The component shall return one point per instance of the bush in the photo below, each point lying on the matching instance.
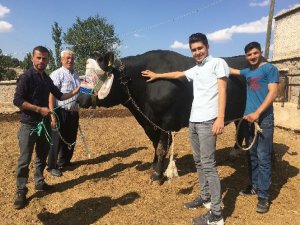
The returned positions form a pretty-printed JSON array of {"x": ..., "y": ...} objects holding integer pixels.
[{"x": 10, "y": 74}]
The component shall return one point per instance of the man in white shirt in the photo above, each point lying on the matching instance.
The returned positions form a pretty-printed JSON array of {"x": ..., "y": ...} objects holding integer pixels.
[
  {"x": 67, "y": 112},
  {"x": 209, "y": 78}
]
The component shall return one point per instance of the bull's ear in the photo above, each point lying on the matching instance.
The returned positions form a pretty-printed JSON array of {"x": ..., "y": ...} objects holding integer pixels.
[
  {"x": 95, "y": 55},
  {"x": 109, "y": 59}
]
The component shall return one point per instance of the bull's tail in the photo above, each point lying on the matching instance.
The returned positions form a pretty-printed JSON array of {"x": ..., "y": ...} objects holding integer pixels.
[{"x": 171, "y": 170}]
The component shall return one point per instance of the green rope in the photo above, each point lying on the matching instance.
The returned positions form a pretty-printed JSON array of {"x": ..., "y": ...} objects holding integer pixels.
[
  {"x": 39, "y": 128},
  {"x": 41, "y": 125}
]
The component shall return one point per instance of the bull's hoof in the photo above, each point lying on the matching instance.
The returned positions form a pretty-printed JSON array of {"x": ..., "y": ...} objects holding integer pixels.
[
  {"x": 156, "y": 179},
  {"x": 155, "y": 182}
]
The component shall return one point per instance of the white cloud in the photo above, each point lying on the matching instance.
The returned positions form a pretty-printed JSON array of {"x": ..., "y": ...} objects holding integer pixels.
[
  {"x": 5, "y": 26},
  {"x": 116, "y": 46},
  {"x": 290, "y": 7},
  {"x": 224, "y": 35},
  {"x": 259, "y": 26},
  {"x": 179, "y": 45},
  {"x": 255, "y": 3},
  {"x": 136, "y": 35},
  {"x": 3, "y": 10}
]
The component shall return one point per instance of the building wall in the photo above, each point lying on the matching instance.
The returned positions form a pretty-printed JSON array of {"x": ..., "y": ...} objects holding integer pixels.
[
  {"x": 287, "y": 35},
  {"x": 291, "y": 67},
  {"x": 7, "y": 90},
  {"x": 286, "y": 51}
]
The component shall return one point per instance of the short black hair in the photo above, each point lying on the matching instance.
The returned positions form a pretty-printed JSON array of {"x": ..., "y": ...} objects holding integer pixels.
[
  {"x": 40, "y": 49},
  {"x": 252, "y": 45},
  {"x": 198, "y": 37}
]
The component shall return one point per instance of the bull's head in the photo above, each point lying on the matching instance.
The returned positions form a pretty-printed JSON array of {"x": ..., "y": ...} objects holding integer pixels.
[{"x": 98, "y": 80}]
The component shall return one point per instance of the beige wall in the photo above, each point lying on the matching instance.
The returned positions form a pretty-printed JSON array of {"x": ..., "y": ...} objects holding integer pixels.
[
  {"x": 287, "y": 35},
  {"x": 292, "y": 68},
  {"x": 286, "y": 51},
  {"x": 7, "y": 90}
]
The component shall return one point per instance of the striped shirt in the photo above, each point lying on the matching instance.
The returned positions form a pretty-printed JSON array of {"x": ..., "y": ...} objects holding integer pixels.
[{"x": 66, "y": 81}]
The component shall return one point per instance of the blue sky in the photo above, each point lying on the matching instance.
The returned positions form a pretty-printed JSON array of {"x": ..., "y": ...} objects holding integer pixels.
[{"x": 141, "y": 25}]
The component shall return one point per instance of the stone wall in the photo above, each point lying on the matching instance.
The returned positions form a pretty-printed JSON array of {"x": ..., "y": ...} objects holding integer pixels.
[
  {"x": 286, "y": 52},
  {"x": 291, "y": 67},
  {"x": 7, "y": 90},
  {"x": 287, "y": 34}
]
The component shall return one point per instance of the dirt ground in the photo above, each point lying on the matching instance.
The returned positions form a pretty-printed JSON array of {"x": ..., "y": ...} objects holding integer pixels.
[{"x": 112, "y": 188}]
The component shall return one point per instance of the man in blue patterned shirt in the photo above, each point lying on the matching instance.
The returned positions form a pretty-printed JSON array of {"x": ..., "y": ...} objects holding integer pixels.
[{"x": 262, "y": 84}]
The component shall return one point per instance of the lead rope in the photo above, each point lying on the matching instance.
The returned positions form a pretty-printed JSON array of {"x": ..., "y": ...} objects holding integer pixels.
[
  {"x": 257, "y": 130},
  {"x": 41, "y": 125},
  {"x": 39, "y": 128},
  {"x": 171, "y": 169}
]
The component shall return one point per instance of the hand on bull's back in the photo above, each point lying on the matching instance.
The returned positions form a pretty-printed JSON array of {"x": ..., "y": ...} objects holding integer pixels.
[{"x": 149, "y": 74}]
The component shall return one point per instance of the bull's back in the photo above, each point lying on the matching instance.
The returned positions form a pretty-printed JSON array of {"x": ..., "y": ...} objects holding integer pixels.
[{"x": 169, "y": 101}]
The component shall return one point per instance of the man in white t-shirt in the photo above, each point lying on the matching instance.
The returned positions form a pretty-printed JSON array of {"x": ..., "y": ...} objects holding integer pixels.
[{"x": 209, "y": 78}]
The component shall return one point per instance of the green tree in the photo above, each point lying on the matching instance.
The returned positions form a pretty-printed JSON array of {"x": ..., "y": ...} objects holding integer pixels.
[
  {"x": 2, "y": 70},
  {"x": 90, "y": 35},
  {"x": 27, "y": 63},
  {"x": 7, "y": 63},
  {"x": 57, "y": 38},
  {"x": 15, "y": 62},
  {"x": 10, "y": 74},
  {"x": 51, "y": 66}
]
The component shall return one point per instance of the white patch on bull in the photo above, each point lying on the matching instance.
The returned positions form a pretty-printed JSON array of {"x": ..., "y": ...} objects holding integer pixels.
[
  {"x": 92, "y": 67},
  {"x": 93, "y": 73},
  {"x": 105, "y": 88},
  {"x": 96, "y": 80}
]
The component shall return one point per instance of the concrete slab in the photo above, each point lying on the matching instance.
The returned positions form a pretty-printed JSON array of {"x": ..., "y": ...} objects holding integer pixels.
[{"x": 288, "y": 116}]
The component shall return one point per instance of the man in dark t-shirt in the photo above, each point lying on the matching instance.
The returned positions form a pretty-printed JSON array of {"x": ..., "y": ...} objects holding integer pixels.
[
  {"x": 32, "y": 97},
  {"x": 262, "y": 84}
]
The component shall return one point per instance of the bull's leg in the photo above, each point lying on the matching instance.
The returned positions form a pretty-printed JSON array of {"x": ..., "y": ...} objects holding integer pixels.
[
  {"x": 241, "y": 136},
  {"x": 159, "y": 158}
]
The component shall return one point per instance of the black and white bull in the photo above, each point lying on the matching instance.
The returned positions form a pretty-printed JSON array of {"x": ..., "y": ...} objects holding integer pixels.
[{"x": 164, "y": 105}]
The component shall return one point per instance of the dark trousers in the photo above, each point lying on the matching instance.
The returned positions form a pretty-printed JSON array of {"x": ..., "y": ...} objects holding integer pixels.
[
  {"x": 60, "y": 154},
  {"x": 27, "y": 142}
]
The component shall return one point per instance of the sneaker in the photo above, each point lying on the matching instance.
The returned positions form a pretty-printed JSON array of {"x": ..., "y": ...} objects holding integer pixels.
[
  {"x": 263, "y": 205},
  {"x": 65, "y": 166},
  {"x": 20, "y": 201},
  {"x": 208, "y": 218},
  {"x": 44, "y": 187},
  {"x": 197, "y": 203},
  {"x": 55, "y": 172},
  {"x": 250, "y": 190}
]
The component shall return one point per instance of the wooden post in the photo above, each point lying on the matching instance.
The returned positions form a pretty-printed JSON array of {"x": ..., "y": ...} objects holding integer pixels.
[{"x": 269, "y": 29}]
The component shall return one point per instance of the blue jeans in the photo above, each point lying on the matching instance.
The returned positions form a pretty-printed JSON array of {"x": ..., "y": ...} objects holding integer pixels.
[
  {"x": 27, "y": 143},
  {"x": 260, "y": 156},
  {"x": 204, "y": 147}
]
